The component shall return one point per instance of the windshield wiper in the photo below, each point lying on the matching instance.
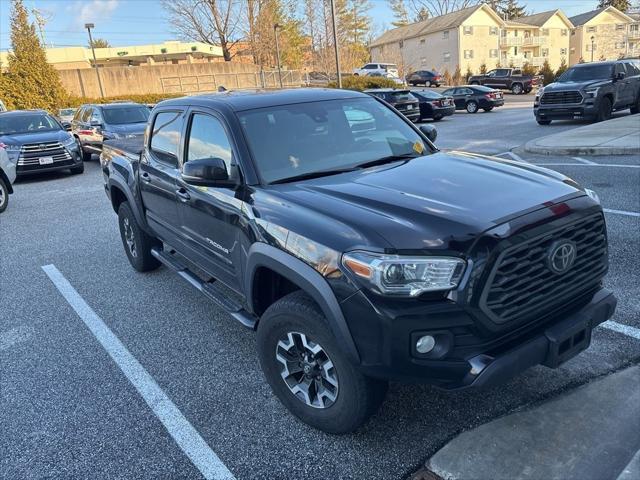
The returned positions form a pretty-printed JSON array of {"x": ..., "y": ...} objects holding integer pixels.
[
  {"x": 310, "y": 175},
  {"x": 389, "y": 159}
]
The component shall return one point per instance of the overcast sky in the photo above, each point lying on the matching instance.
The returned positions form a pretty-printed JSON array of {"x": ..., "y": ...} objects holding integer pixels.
[{"x": 135, "y": 22}]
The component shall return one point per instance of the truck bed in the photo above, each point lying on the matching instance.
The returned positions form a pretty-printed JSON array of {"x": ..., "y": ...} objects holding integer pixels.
[{"x": 128, "y": 146}]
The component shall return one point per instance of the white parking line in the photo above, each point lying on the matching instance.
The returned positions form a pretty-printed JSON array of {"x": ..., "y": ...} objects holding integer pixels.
[
  {"x": 588, "y": 165},
  {"x": 620, "y": 328},
  {"x": 187, "y": 437},
  {"x": 514, "y": 156},
  {"x": 621, "y": 212},
  {"x": 585, "y": 161}
]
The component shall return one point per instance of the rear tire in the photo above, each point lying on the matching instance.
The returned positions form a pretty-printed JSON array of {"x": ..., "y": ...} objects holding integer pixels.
[
  {"x": 437, "y": 118},
  {"x": 488, "y": 109},
  {"x": 472, "y": 106},
  {"x": 475, "y": 83},
  {"x": 307, "y": 370},
  {"x": 427, "y": 83},
  {"x": 4, "y": 195},
  {"x": 516, "y": 89},
  {"x": 636, "y": 107},
  {"x": 605, "y": 110},
  {"x": 137, "y": 243},
  {"x": 86, "y": 156}
]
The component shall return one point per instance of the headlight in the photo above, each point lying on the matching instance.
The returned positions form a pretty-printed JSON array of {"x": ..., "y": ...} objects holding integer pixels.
[
  {"x": 69, "y": 142},
  {"x": 592, "y": 194},
  {"x": 592, "y": 92},
  {"x": 10, "y": 148},
  {"x": 405, "y": 276}
]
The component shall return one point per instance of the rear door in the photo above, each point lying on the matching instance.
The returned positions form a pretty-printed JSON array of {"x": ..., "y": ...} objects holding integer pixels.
[
  {"x": 624, "y": 88},
  {"x": 460, "y": 96},
  {"x": 210, "y": 216},
  {"x": 158, "y": 173}
]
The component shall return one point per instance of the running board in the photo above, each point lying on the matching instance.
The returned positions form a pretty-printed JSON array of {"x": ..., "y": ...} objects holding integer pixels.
[{"x": 209, "y": 289}]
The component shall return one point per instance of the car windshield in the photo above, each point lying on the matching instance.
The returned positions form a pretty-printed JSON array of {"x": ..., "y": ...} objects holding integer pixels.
[
  {"x": 27, "y": 123},
  {"x": 65, "y": 112},
  {"x": 587, "y": 72},
  {"x": 427, "y": 94},
  {"x": 125, "y": 114},
  {"x": 326, "y": 137},
  {"x": 401, "y": 96}
]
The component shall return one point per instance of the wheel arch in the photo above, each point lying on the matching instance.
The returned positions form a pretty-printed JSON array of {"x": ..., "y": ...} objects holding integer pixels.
[
  {"x": 119, "y": 193},
  {"x": 4, "y": 177},
  {"x": 264, "y": 256}
]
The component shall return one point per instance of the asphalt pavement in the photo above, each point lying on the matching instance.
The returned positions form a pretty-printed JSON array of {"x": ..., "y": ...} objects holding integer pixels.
[{"x": 69, "y": 411}]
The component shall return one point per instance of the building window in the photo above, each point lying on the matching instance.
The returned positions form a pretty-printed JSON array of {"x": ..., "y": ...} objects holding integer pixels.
[
  {"x": 445, "y": 35},
  {"x": 620, "y": 26},
  {"x": 422, "y": 41},
  {"x": 493, "y": 30},
  {"x": 619, "y": 45},
  {"x": 545, "y": 32},
  {"x": 563, "y": 51},
  {"x": 446, "y": 57},
  {"x": 493, "y": 53},
  {"x": 564, "y": 32},
  {"x": 634, "y": 27},
  {"x": 468, "y": 30},
  {"x": 545, "y": 52},
  {"x": 468, "y": 54},
  {"x": 591, "y": 29}
]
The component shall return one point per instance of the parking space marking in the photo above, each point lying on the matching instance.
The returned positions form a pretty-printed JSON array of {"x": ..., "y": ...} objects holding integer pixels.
[
  {"x": 620, "y": 328},
  {"x": 184, "y": 434},
  {"x": 617, "y": 165},
  {"x": 514, "y": 156},
  {"x": 584, "y": 160},
  {"x": 621, "y": 212}
]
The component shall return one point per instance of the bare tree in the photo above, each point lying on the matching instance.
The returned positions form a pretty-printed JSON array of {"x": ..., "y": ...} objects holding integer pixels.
[
  {"x": 215, "y": 22},
  {"x": 440, "y": 7}
]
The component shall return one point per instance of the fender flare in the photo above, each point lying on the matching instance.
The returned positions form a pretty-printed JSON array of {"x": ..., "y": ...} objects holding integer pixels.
[
  {"x": 4, "y": 177},
  {"x": 116, "y": 183},
  {"x": 310, "y": 281}
]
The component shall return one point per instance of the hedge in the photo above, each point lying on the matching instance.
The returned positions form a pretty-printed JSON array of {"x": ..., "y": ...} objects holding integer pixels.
[
  {"x": 360, "y": 83},
  {"x": 73, "y": 101}
]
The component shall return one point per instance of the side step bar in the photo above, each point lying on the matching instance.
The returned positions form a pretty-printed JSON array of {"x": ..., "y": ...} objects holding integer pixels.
[{"x": 209, "y": 289}]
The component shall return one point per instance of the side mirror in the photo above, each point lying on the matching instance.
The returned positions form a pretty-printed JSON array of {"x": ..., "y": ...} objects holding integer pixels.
[
  {"x": 429, "y": 131},
  {"x": 66, "y": 126},
  {"x": 205, "y": 172},
  {"x": 619, "y": 76}
]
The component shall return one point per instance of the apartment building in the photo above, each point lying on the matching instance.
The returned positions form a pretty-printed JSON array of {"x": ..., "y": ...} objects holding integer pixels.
[{"x": 604, "y": 34}]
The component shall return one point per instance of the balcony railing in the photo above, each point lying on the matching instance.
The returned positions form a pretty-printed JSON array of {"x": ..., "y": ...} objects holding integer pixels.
[
  {"x": 633, "y": 35},
  {"x": 522, "y": 41}
]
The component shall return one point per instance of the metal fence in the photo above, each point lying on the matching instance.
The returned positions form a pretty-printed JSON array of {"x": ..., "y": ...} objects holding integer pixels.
[{"x": 233, "y": 81}]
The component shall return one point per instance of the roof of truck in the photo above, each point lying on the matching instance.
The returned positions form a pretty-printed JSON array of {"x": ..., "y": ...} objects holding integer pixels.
[{"x": 250, "y": 99}]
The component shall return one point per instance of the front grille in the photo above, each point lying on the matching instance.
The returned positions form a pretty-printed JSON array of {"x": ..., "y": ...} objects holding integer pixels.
[
  {"x": 560, "y": 98},
  {"x": 30, "y": 154},
  {"x": 522, "y": 286}
]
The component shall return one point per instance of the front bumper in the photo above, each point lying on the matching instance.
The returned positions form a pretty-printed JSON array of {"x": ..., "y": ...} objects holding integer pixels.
[
  {"x": 386, "y": 343},
  {"x": 76, "y": 160},
  {"x": 565, "y": 112},
  {"x": 443, "y": 111}
]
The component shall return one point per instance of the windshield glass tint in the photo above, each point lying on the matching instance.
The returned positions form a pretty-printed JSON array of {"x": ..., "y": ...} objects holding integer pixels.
[
  {"x": 397, "y": 97},
  {"x": 292, "y": 140},
  {"x": 589, "y": 72},
  {"x": 122, "y": 115},
  {"x": 67, "y": 112},
  {"x": 27, "y": 123}
]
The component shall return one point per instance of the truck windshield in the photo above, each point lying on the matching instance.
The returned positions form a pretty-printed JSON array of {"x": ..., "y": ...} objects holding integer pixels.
[
  {"x": 128, "y": 114},
  {"x": 330, "y": 136},
  {"x": 27, "y": 123},
  {"x": 588, "y": 72}
]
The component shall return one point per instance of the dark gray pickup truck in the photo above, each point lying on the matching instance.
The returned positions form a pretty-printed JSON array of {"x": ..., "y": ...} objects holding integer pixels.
[
  {"x": 507, "y": 79},
  {"x": 591, "y": 91}
]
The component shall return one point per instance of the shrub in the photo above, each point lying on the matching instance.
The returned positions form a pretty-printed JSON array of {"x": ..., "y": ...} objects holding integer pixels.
[
  {"x": 562, "y": 68},
  {"x": 483, "y": 68},
  {"x": 528, "y": 69},
  {"x": 73, "y": 101},
  {"x": 448, "y": 80},
  {"x": 468, "y": 74},
  {"x": 360, "y": 83},
  {"x": 548, "y": 74},
  {"x": 457, "y": 76}
]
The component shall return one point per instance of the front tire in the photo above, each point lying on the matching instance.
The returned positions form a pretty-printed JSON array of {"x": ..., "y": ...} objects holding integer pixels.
[
  {"x": 636, "y": 106},
  {"x": 4, "y": 195},
  {"x": 86, "y": 156},
  {"x": 475, "y": 83},
  {"x": 77, "y": 170},
  {"x": 543, "y": 122},
  {"x": 605, "y": 110},
  {"x": 137, "y": 243},
  {"x": 516, "y": 89},
  {"x": 427, "y": 83},
  {"x": 472, "y": 106},
  {"x": 307, "y": 370},
  {"x": 488, "y": 109}
]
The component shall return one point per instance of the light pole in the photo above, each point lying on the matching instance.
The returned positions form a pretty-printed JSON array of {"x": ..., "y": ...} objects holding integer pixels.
[
  {"x": 275, "y": 30},
  {"x": 89, "y": 26},
  {"x": 335, "y": 42},
  {"x": 592, "y": 46}
]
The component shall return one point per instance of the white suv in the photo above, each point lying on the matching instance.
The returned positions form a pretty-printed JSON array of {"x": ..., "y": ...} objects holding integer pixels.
[{"x": 381, "y": 68}]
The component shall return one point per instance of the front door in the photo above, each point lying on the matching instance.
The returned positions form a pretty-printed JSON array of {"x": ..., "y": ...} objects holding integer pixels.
[
  {"x": 209, "y": 216},
  {"x": 158, "y": 172}
]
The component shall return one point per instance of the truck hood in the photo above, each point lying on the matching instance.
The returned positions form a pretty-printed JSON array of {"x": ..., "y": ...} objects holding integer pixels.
[
  {"x": 571, "y": 86},
  {"x": 430, "y": 202},
  {"x": 35, "y": 137}
]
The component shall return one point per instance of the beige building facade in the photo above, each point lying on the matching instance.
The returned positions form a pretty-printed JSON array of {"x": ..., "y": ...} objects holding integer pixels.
[{"x": 604, "y": 34}]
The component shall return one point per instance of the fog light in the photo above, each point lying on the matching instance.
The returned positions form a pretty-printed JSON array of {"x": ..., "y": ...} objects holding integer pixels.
[{"x": 425, "y": 344}]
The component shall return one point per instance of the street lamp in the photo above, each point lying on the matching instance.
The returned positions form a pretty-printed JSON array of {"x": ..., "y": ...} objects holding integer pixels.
[
  {"x": 275, "y": 30},
  {"x": 592, "y": 46},
  {"x": 89, "y": 26},
  {"x": 335, "y": 42}
]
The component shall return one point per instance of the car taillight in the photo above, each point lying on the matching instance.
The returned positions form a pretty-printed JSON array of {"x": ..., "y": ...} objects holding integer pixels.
[
  {"x": 436, "y": 103},
  {"x": 86, "y": 132}
]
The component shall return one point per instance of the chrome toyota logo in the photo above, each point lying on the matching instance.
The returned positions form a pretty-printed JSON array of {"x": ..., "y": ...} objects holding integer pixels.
[
  {"x": 561, "y": 256},
  {"x": 42, "y": 146}
]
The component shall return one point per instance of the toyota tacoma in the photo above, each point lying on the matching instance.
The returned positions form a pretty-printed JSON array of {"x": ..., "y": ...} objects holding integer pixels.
[{"x": 331, "y": 225}]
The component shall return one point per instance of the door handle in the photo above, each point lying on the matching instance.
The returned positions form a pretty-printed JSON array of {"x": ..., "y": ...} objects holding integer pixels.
[
  {"x": 145, "y": 177},
  {"x": 183, "y": 195}
]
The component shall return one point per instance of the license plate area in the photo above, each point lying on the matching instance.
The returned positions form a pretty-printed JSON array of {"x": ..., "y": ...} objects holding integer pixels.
[
  {"x": 566, "y": 341},
  {"x": 45, "y": 160}
]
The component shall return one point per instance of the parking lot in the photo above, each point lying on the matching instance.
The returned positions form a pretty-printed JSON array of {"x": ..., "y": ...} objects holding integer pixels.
[{"x": 74, "y": 413}]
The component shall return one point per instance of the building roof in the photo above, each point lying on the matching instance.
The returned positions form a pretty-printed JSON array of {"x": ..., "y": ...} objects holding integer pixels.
[
  {"x": 587, "y": 16},
  {"x": 431, "y": 25},
  {"x": 538, "y": 19}
]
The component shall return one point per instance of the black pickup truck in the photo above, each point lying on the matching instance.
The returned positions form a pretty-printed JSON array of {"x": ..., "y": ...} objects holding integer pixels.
[
  {"x": 329, "y": 223},
  {"x": 507, "y": 79}
]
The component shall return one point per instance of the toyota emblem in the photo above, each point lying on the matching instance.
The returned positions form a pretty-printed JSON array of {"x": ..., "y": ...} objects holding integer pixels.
[{"x": 562, "y": 254}]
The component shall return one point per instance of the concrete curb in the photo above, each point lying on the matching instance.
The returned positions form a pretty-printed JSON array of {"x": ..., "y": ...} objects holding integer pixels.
[{"x": 531, "y": 147}]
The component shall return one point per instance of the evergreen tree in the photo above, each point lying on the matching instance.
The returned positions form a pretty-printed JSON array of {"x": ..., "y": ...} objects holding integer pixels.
[
  {"x": 512, "y": 9},
  {"x": 468, "y": 74},
  {"x": 483, "y": 68},
  {"x": 457, "y": 76},
  {"x": 29, "y": 82},
  {"x": 622, "y": 5},
  {"x": 562, "y": 68},
  {"x": 400, "y": 14},
  {"x": 422, "y": 15},
  {"x": 548, "y": 74}
]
